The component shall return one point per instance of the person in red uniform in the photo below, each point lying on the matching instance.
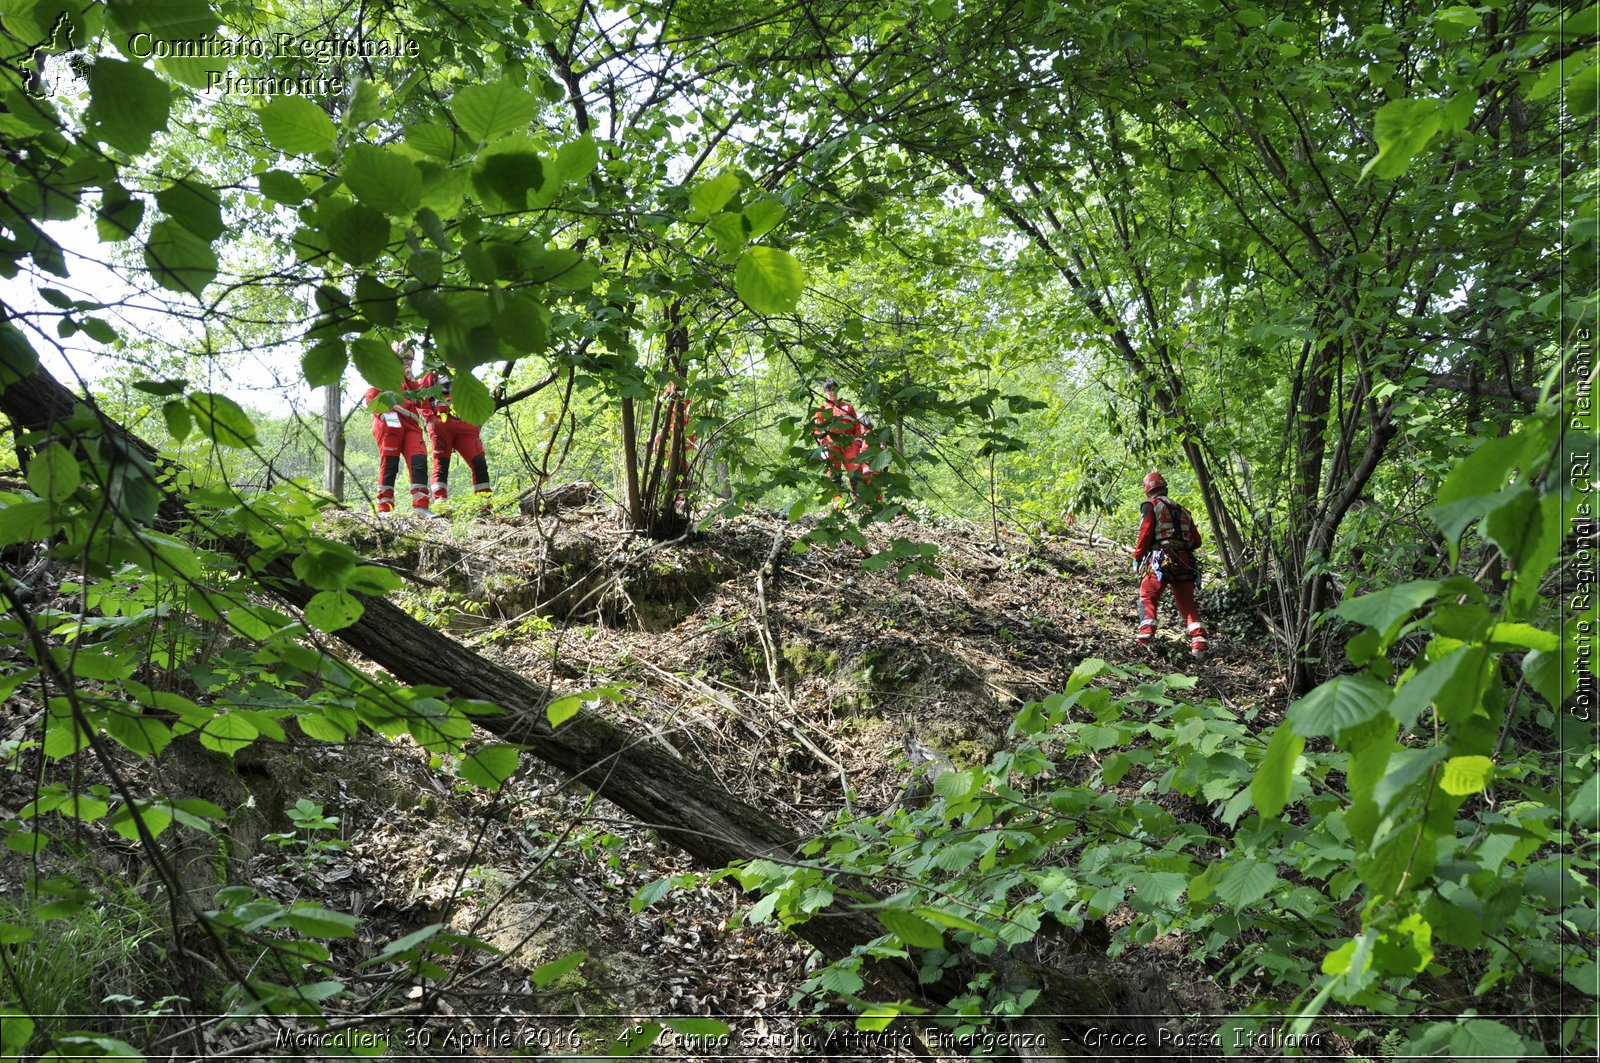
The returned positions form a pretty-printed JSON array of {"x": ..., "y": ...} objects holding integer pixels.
[
  {"x": 839, "y": 434},
  {"x": 1168, "y": 539},
  {"x": 448, "y": 433},
  {"x": 398, "y": 433},
  {"x": 860, "y": 456}
]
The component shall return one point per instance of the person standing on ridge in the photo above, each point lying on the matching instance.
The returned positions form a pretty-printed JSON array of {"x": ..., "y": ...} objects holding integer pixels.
[
  {"x": 1168, "y": 539},
  {"x": 447, "y": 432},
  {"x": 398, "y": 433},
  {"x": 838, "y": 432}
]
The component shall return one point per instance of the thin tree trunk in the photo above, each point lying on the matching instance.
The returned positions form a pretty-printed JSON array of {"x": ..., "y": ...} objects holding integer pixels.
[{"x": 333, "y": 440}]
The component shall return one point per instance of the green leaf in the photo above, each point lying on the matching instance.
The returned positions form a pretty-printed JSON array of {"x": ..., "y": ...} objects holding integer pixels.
[
  {"x": 92, "y": 1046},
  {"x": 762, "y": 215},
  {"x": 728, "y": 232},
  {"x": 490, "y": 766},
  {"x": 17, "y": 356},
  {"x": 296, "y": 125},
  {"x": 711, "y": 196},
  {"x": 315, "y": 921},
  {"x": 1405, "y": 948},
  {"x": 1583, "y": 810},
  {"x": 521, "y": 320},
  {"x": 404, "y": 943},
  {"x": 126, "y": 819},
  {"x": 1515, "y": 525},
  {"x": 372, "y": 580},
  {"x": 1246, "y": 882},
  {"x": 282, "y": 187},
  {"x": 940, "y": 917},
  {"x": 379, "y": 302},
  {"x": 955, "y": 784},
  {"x": 706, "y": 1029},
  {"x": 576, "y": 159},
  {"x": 23, "y": 521},
  {"x": 328, "y": 723},
  {"x": 1503, "y": 637},
  {"x": 221, "y": 419},
  {"x": 1157, "y": 889},
  {"x": 325, "y": 564},
  {"x": 650, "y": 893},
  {"x": 128, "y": 104},
  {"x": 195, "y": 207},
  {"x": 548, "y": 974},
  {"x": 227, "y": 733},
  {"x": 1387, "y": 609},
  {"x": 486, "y": 112},
  {"x": 563, "y": 709},
  {"x": 382, "y": 179},
  {"x": 837, "y": 979},
  {"x": 1403, "y": 128},
  {"x": 53, "y": 473},
  {"x": 356, "y": 232},
  {"x": 119, "y": 215},
  {"x": 1585, "y": 978},
  {"x": 470, "y": 399},
  {"x": 1487, "y": 1039},
  {"x": 1466, "y": 775},
  {"x": 1544, "y": 671},
  {"x": 1583, "y": 91},
  {"x": 323, "y": 364},
  {"x": 333, "y": 610},
  {"x": 376, "y": 363},
  {"x": 16, "y": 1030},
  {"x": 911, "y": 928},
  {"x": 98, "y": 330},
  {"x": 1340, "y": 703},
  {"x": 1446, "y": 683},
  {"x": 770, "y": 281},
  {"x": 178, "y": 259},
  {"x": 1273, "y": 781}
]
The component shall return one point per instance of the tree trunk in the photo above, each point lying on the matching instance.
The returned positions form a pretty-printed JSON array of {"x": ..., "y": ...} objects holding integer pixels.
[
  {"x": 333, "y": 441},
  {"x": 687, "y": 807}
]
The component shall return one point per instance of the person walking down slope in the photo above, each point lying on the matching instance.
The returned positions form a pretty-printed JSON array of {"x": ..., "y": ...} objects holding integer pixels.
[
  {"x": 1167, "y": 540},
  {"x": 447, "y": 432},
  {"x": 838, "y": 432},
  {"x": 398, "y": 433}
]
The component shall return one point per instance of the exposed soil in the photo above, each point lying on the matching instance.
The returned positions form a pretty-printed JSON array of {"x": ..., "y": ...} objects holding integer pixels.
[{"x": 795, "y": 676}]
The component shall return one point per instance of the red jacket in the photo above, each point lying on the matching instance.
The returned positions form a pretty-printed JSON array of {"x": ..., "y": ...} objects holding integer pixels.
[{"x": 839, "y": 430}]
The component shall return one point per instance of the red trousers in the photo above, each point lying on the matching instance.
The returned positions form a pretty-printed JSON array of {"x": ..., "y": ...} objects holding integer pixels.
[
  {"x": 398, "y": 436},
  {"x": 451, "y": 434},
  {"x": 1150, "y": 589}
]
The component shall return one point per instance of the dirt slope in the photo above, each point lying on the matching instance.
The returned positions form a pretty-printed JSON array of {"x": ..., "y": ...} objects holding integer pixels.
[{"x": 794, "y": 673}]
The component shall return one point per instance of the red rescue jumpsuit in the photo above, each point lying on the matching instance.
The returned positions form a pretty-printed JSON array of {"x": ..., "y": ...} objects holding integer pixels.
[
  {"x": 838, "y": 430},
  {"x": 447, "y": 433},
  {"x": 398, "y": 433},
  {"x": 1159, "y": 535}
]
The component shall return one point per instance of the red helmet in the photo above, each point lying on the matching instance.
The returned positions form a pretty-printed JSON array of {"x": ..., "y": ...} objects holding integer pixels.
[{"x": 1154, "y": 482}]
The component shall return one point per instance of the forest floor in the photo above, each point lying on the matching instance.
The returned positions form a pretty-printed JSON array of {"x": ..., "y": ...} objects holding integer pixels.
[{"x": 798, "y": 693}]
